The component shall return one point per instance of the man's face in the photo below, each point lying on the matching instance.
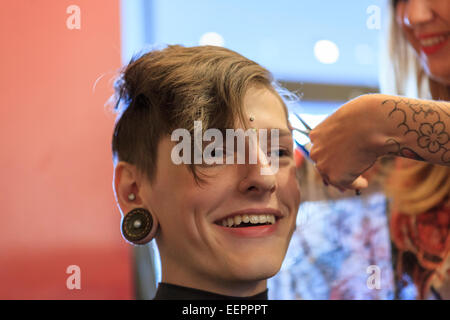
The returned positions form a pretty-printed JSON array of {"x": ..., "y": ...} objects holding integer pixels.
[{"x": 200, "y": 244}]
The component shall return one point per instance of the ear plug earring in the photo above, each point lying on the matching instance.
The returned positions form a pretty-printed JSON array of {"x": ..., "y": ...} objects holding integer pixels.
[{"x": 138, "y": 226}]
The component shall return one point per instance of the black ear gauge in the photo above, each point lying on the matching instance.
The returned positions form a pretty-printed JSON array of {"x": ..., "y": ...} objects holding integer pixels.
[{"x": 138, "y": 226}]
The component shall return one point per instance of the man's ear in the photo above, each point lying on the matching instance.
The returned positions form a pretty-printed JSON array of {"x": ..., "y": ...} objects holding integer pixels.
[
  {"x": 138, "y": 224},
  {"x": 127, "y": 181}
]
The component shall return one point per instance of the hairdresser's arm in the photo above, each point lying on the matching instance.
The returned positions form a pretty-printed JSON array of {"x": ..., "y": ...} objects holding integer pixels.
[{"x": 349, "y": 141}]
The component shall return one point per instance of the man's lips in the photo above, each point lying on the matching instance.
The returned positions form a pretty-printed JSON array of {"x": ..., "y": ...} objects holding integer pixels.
[
  {"x": 251, "y": 213},
  {"x": 250, "y": 222},
  {"x": 250, "y": 231}
]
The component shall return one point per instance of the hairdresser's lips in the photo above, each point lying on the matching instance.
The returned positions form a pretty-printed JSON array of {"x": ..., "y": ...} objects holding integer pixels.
[
  {"x": 431, "y": 43},
  {"x": 257, "y": 231}
]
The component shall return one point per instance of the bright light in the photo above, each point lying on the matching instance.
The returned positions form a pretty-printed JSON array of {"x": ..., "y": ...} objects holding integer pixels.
[
  {"x": 212, "y": 39},
  {"x": 326, "y": 51}
]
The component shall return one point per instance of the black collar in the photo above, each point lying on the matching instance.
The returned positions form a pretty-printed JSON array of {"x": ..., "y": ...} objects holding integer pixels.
[{"x": 167, "y": 291}]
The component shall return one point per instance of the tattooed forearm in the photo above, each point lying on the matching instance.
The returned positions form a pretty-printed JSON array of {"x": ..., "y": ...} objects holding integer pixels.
[
  {"x": 423, "y": 129},
  {"x": 404, "y": 152}
]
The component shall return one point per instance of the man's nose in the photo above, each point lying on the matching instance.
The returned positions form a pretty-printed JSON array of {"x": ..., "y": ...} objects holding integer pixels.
[{"x": 254, "y": 180}]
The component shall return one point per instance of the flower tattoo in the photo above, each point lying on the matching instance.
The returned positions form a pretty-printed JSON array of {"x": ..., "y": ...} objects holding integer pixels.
[
  {"x": 433, "y": 136},
  {"x": 427, "y": 122}
]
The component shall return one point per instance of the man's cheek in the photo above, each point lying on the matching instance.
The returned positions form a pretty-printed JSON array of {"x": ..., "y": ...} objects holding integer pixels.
[{"x": 289, "y": 187}]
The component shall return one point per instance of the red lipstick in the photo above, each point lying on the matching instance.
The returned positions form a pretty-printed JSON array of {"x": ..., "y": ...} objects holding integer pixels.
[{"x": 429, "y": 46}]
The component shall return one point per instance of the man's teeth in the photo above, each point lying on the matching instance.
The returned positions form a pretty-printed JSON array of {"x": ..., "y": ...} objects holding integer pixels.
[
  {"x": 432, "y": 41},
  {"x": 245, "y": 218}
]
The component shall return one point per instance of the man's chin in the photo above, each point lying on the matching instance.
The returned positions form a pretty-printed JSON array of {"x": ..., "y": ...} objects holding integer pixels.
[{"x": 255, "y": 270}]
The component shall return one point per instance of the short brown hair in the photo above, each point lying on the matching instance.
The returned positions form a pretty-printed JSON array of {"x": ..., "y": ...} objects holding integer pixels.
[{"x": 171, "y": 88}]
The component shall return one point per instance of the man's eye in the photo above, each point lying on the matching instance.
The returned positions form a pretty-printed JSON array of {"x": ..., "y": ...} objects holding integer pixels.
[
  {"x": 217, "y": 152},
  {"x": 281, "y": 153}
]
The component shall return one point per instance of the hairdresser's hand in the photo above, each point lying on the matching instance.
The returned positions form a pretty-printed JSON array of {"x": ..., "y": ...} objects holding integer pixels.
[{"x": 345, "y": 144}]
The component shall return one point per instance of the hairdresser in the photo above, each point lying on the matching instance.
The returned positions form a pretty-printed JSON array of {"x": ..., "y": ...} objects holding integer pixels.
[{"x": 349, "y": 142}]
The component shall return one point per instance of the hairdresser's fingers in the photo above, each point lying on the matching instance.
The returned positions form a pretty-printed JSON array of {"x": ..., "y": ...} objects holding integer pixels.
[{"x": 359, "y": 183}]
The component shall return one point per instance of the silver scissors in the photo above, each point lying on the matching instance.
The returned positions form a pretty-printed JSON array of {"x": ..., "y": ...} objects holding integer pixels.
[{"x": 306, "y": 147}]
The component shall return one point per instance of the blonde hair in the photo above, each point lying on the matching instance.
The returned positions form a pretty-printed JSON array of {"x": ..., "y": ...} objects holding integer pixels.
[{"x": 414, "y": 186}]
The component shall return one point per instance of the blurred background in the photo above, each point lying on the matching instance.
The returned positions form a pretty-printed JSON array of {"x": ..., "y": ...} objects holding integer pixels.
[{"x": 59, "y": 59}]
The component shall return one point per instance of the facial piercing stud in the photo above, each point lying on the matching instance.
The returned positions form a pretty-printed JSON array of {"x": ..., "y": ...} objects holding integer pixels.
[{"x": 131, "y": 197}]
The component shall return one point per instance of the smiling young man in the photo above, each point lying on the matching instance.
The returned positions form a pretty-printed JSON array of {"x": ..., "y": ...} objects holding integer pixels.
[{"x": 223, "y": 229}]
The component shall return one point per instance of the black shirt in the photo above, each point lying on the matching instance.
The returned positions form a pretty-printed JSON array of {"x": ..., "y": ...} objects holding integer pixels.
[{"x": 167, "y": 291}]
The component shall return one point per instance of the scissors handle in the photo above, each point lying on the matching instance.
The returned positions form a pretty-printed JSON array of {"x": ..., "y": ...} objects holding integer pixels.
[{"x": 303, "y": 148}]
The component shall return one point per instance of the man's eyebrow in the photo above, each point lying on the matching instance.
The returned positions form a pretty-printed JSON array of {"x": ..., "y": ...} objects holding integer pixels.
[{"x": 282, "y": 132}]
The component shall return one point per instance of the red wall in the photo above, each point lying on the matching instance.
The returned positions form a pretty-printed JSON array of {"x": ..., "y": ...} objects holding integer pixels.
[{"x": 57, "y": 203}]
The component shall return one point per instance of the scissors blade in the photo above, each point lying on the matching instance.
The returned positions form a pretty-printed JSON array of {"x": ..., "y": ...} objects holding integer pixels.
[
  {"x": 306, "y": 133},
  {"x": 304, "y": 147},
  {"x": 308, "y": 128}
]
